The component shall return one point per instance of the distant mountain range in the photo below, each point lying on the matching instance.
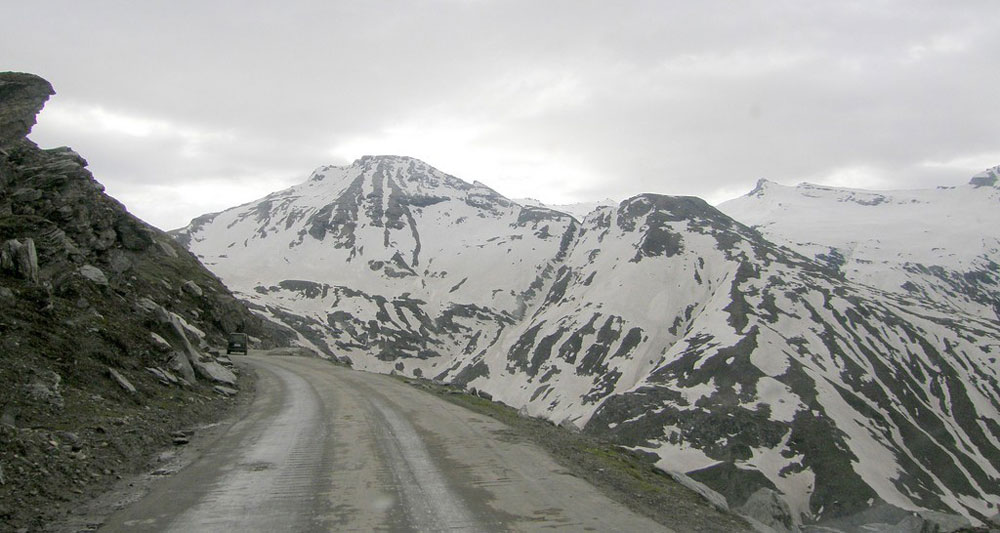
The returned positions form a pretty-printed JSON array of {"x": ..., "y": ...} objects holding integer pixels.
[
  {"x": 940, "y": 245},
  {"x": 835, "y": 366}
]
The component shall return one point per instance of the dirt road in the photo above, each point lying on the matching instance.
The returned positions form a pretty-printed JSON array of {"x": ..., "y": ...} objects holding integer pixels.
[{"x": 325, "y": 448}]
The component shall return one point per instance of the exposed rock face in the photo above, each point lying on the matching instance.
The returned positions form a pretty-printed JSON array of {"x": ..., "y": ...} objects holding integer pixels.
[
  {"x": 19, "y": 258},
  {"x": 23, "y": 96},
  {"x": 83, "y": 285},
  {"x": 988, "y": 178}
]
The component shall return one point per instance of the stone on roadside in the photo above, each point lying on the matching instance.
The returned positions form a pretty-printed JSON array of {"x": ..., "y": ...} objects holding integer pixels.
[
  {"x": 179, "y": 363},
  {"x": 225, "y": 391},
  {"x": 163, "y": 376},
  {"x": 213, "y": 371}
]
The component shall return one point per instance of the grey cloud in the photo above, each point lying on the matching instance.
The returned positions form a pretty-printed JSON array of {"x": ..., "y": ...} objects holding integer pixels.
[{"x": 670, "y": 97}]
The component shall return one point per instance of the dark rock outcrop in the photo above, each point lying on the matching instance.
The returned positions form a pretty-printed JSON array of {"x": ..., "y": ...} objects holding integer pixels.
[
  {"x": 23, "y": 96},
  {"x": 20, "y": 259},
  {"x": 91, "y": 299},
  {"x": 988, "y": 178}
]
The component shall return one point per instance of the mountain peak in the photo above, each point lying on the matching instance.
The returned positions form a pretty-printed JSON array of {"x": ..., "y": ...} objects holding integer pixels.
[
  {"x": 386, "y": 158},
  {"x": 758, "y": 189}
]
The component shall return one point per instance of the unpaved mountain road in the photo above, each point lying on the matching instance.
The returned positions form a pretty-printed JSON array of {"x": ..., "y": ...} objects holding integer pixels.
[{"x": 325, "y": 448}]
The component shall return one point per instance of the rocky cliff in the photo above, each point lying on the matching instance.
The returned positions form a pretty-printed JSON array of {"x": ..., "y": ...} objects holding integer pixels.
[{"x": 106, "y": 326}]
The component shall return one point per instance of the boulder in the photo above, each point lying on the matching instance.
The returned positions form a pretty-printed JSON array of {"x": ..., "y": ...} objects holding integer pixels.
[
  {"x": 133, "y": 234},
  {"x": 225, "y": 391},
  {"x": 191, "y": 288},
  {"x": 160, "y": 342},
  {"x": 20, "y": 259},
  {"x": 41, "y": 392},
  {"x": 213, "y": 371},
  {"x": 166, "y": 249},
  {"x": 182, "y": 365},
  {"x": 163, "y": 376},
  {"x": 72, "y": 439},
  {"x": 104, "y": 239},
  {"x": 765, "y": 506},
  {"x": 122, "y": 381},
  {"x": 935, "y": 522},
  {"x": 119, "y": 261},
  {"x": 45, "y": 388},
  {"x": 569, "y": 424},
  {"x": 146, "y": 305},
  {"x": 93, "y": 274},
  {"x": 181, "y": 361}
]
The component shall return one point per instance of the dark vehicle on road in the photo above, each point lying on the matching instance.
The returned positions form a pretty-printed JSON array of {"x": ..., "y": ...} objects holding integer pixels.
[{"x": 238, "y": 343}]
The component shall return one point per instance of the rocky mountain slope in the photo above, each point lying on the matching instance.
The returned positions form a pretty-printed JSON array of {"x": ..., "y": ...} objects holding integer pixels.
[
  {"x": 761, "y": 376},
  {"x": 940, "y": 245},
  {"x": 105, "y": 327}
]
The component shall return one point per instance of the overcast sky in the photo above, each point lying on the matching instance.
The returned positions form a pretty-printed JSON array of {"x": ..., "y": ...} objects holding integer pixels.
[{"x": 184, "y": 108}]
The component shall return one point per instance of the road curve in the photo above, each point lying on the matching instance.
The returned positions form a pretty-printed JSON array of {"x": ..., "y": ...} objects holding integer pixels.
[{"x": 325, "y": 448}]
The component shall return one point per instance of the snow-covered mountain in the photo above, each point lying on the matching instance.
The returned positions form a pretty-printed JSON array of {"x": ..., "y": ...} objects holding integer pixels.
[
  {"x": 579, "y": 210},
  {"x": 753, "y": 372},
  {"x": 942, "y": 245},
  {"x": 373, "y": 262}
]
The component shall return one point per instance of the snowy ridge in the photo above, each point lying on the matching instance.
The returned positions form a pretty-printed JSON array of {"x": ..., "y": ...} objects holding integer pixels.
[
  {"x": 746, "y": 368},
  {"x": 579, "y": 210},
  {"x": 941, "y": 245}
]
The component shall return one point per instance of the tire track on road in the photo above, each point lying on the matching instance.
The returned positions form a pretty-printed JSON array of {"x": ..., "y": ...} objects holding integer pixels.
[
  {"x": 276, "y": 477},
  {"x": 430, "y": 503}
]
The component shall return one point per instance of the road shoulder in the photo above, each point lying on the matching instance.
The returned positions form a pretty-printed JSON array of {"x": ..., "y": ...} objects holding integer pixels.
[{"x": 161, "y": 462}]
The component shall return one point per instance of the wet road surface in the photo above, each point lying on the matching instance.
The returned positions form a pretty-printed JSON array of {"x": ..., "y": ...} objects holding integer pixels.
[{"x": 325, "y": 448}]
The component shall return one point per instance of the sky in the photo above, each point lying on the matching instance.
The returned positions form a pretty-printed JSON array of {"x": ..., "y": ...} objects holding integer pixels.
[{"x": 189, "y": 107}]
